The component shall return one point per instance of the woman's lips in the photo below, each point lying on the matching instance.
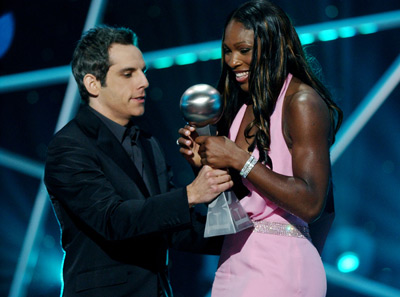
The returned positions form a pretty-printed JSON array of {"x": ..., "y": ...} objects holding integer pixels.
[{"x": 242, "y": 76}]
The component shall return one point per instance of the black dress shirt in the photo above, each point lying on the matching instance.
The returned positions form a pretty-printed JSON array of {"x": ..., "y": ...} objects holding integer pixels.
[{"x": 128, "y": 136}]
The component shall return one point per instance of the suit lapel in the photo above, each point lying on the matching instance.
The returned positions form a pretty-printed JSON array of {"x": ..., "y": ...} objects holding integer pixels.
[{"x": 107, "y": 142}]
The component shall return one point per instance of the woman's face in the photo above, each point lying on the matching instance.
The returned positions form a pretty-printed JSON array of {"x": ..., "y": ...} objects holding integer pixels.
[{"x": 238, "y": 50}]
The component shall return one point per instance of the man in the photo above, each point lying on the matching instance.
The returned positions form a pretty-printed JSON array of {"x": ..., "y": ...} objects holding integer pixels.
[{"x": 109, "y": 183}]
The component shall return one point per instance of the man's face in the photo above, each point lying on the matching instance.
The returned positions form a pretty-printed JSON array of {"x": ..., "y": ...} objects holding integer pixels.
[{"x": 123, "y": 96}]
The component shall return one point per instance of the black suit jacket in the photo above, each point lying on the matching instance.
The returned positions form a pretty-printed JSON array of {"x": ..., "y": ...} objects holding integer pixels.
[{"x": 115, "y": 234}]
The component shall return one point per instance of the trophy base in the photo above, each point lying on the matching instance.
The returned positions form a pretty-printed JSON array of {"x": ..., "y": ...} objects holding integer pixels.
[{"x": 226, "y": 215}]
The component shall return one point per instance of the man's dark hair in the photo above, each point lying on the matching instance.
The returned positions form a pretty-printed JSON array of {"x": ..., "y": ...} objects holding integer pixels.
[{"x": 91, "y": 54}]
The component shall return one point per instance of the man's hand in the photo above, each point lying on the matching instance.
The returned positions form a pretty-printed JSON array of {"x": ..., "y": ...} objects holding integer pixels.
[{"x": 208, "y": 184}]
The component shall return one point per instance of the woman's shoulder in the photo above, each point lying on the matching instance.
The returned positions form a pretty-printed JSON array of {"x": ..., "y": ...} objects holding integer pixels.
[
  {"x": 304, "y": 110},
  {"x": 300, "y": 96}
]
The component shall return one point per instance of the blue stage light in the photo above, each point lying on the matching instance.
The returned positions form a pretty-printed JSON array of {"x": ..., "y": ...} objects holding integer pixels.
[
  {"x": 204, "y": 56},
  {"x": 326, "y": 35},
  {"x": 346, "y": 32},
  {"x": 212, "y": 54},
  {"x": 348, "y": 262},
  {"x": 163, "y": 62},
  {"x": 185, "y": 59},
  {"x": 368, "y": 28},
  {"x": 215, "y": 54},
  {"x": 7, "y": 28},
  {"x": 307, "y": 38}
]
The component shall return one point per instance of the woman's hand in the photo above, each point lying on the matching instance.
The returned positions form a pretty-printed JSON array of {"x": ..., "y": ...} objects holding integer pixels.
[
  {"x": 189, "y": 148},
  {"x": 220, "y": 152}
]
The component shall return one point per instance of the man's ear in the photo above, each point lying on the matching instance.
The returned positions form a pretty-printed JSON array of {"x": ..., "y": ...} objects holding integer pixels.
[{"x": 92, "y": 84}]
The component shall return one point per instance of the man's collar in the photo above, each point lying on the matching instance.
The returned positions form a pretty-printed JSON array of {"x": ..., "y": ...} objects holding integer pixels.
[{"x": 118, "y": 130}]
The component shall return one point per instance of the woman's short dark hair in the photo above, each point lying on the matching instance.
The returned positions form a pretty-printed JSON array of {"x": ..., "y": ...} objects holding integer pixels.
[{"x": 91, "y": 54}]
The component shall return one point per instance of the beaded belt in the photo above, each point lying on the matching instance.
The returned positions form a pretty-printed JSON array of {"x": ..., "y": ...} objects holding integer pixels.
[{"x": 281, "y": 229}]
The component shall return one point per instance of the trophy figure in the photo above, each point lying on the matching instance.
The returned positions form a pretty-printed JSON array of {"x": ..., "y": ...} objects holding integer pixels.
[{"x": 201, "y": 107}]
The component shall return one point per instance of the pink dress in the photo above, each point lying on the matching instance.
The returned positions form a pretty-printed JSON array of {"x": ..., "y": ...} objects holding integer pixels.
[{"x": 275, "y": 259}]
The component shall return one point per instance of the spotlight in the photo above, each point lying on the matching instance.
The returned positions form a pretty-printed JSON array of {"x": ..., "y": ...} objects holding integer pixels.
[
  {"x": 348, "y": 262},
  {"x": 7, "y": 30},
  {"x": 350, "y": 249}
]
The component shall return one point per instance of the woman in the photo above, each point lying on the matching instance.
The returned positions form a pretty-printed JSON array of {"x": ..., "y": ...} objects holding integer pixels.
[{"x": 279, "y": 122}]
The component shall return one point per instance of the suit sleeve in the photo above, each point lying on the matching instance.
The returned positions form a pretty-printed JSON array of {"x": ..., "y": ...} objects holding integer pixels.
[
  {"x": 191, "y": 238},
  {"x": 76, "y": 181}
]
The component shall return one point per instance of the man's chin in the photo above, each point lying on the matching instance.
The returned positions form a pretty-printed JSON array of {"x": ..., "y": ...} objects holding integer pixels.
[{"x": 138, "y": 113}]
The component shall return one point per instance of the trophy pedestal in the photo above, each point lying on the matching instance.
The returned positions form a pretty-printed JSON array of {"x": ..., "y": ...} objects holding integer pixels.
[
  {"x": 207, "y": 130},
  {"x": 226, "y": 216},
  {"x": 202, "y": 106}
]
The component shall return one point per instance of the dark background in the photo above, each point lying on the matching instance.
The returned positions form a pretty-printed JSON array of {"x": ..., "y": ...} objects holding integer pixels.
[{"x": 366, "y": 175}]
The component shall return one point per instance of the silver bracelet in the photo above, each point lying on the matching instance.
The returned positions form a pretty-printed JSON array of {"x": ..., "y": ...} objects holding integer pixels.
[{"x": 248, "y": 166}]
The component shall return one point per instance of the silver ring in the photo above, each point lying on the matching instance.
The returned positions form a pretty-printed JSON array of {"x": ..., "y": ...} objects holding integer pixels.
[{"x": 177, "y": 142}]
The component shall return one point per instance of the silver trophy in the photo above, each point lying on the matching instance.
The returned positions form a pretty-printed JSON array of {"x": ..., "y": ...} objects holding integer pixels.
[{"x": 202, "y": 107}]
